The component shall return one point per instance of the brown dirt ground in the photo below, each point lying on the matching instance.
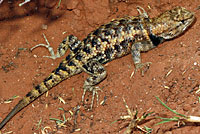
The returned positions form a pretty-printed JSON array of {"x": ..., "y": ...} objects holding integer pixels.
[{"x": 22, "y": 27}]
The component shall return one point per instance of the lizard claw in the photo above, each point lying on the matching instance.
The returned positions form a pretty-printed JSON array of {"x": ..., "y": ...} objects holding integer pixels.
[
  {"x": 139, "y": 66},
  {"x": 94, "y": 91}
]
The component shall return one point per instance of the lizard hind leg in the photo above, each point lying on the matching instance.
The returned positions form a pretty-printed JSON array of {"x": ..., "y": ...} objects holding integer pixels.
[
  {"x": 70, "y": 41},
  {"x": 97, "y": 74},
  {"x": 65, "y": 70}
]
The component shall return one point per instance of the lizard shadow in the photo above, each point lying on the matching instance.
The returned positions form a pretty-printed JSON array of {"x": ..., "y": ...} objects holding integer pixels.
[{"x": 10, "y": 11}]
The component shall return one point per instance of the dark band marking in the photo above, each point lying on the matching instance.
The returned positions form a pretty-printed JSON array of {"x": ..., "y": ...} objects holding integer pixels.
[
  {"x": 155, "y": 39},
  {"x": 87, "y": 50},
  {"x": 102, "y": 60},
  {"x": 117, "y": 48},
  {"x": 64, "y": 41},
  {"x": 38, "y": 89},
  {"x": 122, "y": 21},
  {"x": 104, "y": 40},
  {"x": 124, "y": 44},
  {"x": 99, "y": 58},
  {"x": 119, "y": 30},
  {"x": 108, "y": 53},
  {"x": 85, "y": 40},
  {"x": 75, "y": 50},
  {"x": 49, "y": 78},
  {"x": 32, "y": 97},
  {"x": 94, "y": 78},
  {"x": 57, "y": 71},
  {"x": 107, "y": 32},
  {"x": 97, "y": 32},
  {"x": 86, "y": 67},
  {"x": 68, "y": 57},
  {"x": 28, "y": 94},
  {"x": 74, "y": 45},
  {"x": 70, "y": 37},
  {"x": 128, "y": 28},
  {"x": 94, "y": 42},
  {"x": 78, "y": 57},
  {"x": 62, "y": 67},
  {"x": 137, "y": 27},
  {"x": 71, "y": 63},
  {"x": 108, "y": 25}
]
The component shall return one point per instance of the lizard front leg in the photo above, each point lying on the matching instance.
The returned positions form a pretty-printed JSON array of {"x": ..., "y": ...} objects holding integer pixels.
[
  {"x": 136, "y": 49},
  {"x": 97, "y": 74}
]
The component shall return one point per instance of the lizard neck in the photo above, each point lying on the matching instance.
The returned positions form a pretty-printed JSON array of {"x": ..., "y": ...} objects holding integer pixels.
[
  {"x": 154, "y": 30},
  {"x": 157, "y": 27}
]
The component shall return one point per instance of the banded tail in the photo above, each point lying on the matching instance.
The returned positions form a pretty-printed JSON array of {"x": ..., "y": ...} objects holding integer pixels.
[{"x": 66, "y": 69}]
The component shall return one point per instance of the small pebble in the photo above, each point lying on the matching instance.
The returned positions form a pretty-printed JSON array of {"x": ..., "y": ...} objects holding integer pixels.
[
  {"x": 186, "y": 107},
  {"x": 168, "y": 132},
  {"x": 44, "y": 27}
]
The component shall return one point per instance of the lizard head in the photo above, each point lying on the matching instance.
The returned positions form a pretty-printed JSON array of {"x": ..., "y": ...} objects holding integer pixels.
[{"x": 172, "y": 23}]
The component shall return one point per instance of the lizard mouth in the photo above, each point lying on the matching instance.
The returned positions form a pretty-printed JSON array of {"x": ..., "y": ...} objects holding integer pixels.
[{"x": 188, "y": 22}]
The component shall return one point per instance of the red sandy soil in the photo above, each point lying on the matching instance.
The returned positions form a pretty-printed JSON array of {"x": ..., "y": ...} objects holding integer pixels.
[{"x": 22, "y": 27}]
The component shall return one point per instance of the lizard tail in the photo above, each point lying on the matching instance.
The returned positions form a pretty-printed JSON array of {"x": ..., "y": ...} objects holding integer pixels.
[{"x": 65, "y": 70}]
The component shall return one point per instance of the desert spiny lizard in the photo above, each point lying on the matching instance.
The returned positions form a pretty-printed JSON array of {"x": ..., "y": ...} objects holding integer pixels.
[{"x": 110, "y": 41}]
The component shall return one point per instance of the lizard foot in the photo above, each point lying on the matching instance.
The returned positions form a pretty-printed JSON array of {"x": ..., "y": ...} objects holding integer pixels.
[
  {"x": 94, "y": 91},
  {"x": 139, "y": 66},
  {"x": 53, "y": 56}
]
